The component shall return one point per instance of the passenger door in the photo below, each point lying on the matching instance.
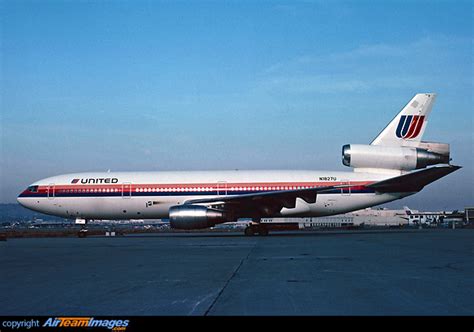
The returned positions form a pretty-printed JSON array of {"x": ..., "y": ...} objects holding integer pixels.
[
  {"x": 221, "y": 188},
  {"x": 51, "y": 191},
  {"x": 126, "y": 190},
  {"x": 346, "y": 191}
]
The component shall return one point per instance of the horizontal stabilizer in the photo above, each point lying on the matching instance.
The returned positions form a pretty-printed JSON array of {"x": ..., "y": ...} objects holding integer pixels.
[{"x": 413, "y": 182}]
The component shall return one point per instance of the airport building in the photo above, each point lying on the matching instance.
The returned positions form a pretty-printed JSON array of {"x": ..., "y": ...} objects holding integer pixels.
[
  {"x": 369, "y": 217},
  {"x": 382, "y": 217}
]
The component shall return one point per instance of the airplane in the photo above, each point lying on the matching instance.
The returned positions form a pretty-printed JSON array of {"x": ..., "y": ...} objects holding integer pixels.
[{"x": 393, "y": 166}]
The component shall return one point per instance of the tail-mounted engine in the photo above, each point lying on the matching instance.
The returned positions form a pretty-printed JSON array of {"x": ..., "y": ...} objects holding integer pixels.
[{"x": 395, "y": 157}]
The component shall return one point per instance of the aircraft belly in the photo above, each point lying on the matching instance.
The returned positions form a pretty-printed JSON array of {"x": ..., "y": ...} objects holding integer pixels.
[
  {"x": 111, "y": 207},
  {"x": 157, "y": 207},
  {"x": 327, "y": 204}
]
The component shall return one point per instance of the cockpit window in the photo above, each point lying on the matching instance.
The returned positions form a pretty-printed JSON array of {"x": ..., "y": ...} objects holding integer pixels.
[{"x": 33, "y": 189}]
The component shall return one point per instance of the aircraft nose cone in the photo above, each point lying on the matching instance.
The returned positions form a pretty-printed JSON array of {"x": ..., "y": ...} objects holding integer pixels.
[
  {"x": 25, "y": 202},
  {"x": 20, "y": 200}
]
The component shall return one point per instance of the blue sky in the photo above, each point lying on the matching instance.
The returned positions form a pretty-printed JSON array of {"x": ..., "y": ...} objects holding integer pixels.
[{"x": 137, "y": 85}]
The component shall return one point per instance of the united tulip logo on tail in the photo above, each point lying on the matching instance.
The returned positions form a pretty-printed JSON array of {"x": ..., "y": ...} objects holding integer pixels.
[{"x": 410, "y": 126}]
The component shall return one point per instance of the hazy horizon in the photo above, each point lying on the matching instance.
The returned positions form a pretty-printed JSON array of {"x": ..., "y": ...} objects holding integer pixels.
[{"x": 149, "y": 85}]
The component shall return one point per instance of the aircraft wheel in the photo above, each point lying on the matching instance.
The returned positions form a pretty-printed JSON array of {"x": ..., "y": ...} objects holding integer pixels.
[
  {"x": 263, "y": 231},
  {"x": 249, "y": 231}
]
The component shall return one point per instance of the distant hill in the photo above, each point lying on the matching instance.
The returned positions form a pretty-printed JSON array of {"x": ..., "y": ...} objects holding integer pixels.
[{"x": 16, "y": 212}]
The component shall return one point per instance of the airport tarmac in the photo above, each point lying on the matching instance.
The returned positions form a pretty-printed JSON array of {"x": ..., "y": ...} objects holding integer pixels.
[{"x": 390, "y": 272}]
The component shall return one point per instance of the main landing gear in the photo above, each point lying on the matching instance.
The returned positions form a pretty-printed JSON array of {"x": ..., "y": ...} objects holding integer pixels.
[
  {"x": 83, "y": 231},
  {"x": 260, "y": 229}
]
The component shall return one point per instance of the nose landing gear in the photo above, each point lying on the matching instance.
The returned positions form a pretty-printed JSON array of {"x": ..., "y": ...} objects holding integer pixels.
[{"x": 82, "y": 232}]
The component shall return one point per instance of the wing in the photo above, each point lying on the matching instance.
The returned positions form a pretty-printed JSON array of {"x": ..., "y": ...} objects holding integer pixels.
[
  {"x": 413, "y": 182},
  {"x": 263, "y": 204},
  {"x": 271, "y": 203}
]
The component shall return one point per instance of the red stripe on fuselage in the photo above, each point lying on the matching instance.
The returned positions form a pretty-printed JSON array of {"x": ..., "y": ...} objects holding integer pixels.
[{"x": 261, "y": 186}]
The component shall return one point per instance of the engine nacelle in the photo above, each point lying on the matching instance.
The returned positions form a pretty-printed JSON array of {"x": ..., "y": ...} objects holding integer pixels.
[
  {"x": 392, "y": 157},
  {"x": 194, "y": 217}
]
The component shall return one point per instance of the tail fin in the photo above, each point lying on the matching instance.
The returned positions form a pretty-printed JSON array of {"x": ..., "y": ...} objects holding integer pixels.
[{"x": 407, "y": 128}]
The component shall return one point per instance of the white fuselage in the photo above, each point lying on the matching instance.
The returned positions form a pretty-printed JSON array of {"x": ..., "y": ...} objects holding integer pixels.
[{"x": 149, "y": 195}]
